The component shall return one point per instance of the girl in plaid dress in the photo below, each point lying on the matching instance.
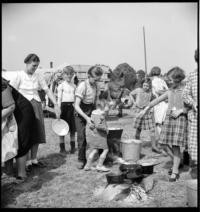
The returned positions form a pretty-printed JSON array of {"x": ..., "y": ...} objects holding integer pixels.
[
  {"x": 143, "y": 96},
  {"x": 174, "y": 131}
]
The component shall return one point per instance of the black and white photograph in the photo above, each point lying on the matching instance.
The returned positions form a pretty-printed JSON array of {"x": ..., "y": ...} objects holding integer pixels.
[{"x": 99, "y": 105}]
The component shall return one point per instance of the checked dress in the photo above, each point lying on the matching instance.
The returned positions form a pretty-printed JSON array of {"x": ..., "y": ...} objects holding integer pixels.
[
  {"x": 190, "y": 97},
  {"x": 174, "y": 130}
]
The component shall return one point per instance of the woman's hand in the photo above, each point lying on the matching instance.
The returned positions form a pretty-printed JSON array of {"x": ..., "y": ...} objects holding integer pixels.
[
  {"x": 176, "y": 113},
  {"x": 57, "y": 111}
]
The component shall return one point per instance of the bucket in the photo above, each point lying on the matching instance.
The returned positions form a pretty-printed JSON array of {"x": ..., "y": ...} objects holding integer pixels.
[
  {"x": 192, "y": 193},
  {"x": 96, "y": 116},
  {"x": 131, "y": 149}
]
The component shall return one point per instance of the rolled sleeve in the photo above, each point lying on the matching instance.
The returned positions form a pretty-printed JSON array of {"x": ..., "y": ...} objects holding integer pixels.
[{"x": 80, "y": 90}]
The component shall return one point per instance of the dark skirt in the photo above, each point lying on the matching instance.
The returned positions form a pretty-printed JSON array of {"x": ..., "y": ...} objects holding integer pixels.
[
  {"x": 39, "y": 135},
  {"x": 67, "y": 114},
  {"x": 147, "y": 122},
  {"x": 174, "y": 131},
  {"x": 25, "y": 118}
]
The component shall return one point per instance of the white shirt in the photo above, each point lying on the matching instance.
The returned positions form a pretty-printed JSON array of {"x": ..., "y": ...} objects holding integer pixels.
[
  {"x": 158, "y": 85},
  {"x": 86, "y": 92},
  {"x": 66, "y": 92},
  {"x": 28, "y": 85}
]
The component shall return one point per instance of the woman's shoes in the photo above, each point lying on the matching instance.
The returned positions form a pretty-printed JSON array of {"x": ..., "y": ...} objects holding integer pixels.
[{"x": 173, "y": 179}]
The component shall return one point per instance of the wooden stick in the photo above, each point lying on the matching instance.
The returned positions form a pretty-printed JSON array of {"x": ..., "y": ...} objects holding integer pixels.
[{"x": 145, "y": 57}]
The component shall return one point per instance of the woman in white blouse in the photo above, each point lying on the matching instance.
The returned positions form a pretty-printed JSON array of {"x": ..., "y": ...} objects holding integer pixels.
[{"x": 27, "y": 82}]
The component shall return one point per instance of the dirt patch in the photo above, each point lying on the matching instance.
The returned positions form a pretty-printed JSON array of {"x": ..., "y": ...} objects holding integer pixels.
[{"x": 62, "y": 185}]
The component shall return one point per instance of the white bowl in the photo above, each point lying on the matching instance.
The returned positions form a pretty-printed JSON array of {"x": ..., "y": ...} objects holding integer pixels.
[{"x": 60, "y": 127}]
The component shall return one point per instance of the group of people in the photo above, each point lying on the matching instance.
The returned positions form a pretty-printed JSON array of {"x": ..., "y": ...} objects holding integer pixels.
[
  {"x": 169, "y": 113},
  {"x": 174, "y": 121}
]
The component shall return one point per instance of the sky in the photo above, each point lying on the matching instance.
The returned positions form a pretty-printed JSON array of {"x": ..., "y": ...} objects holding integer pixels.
[{"x": 100, "y": 33}]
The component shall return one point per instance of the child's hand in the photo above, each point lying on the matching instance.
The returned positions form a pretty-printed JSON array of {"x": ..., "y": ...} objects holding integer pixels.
[{"x": 90, "y": 123}]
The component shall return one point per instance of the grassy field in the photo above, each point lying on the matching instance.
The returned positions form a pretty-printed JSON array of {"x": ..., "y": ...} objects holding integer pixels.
[{"x": 62, "y": 185}]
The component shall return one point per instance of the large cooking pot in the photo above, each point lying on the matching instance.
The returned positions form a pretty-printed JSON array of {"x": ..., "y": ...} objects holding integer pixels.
[
  {"x": 113, "y": 178},
  {"x": 147, "y": 168}
]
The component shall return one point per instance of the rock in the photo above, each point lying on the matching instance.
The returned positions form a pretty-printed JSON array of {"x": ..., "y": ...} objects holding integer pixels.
[
  {"x": 148, "y": 183},
  {"x": 112, "y": 190}
]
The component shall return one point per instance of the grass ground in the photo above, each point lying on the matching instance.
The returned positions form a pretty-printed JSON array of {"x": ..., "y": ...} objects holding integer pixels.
[{"x": 62, "y": 185}]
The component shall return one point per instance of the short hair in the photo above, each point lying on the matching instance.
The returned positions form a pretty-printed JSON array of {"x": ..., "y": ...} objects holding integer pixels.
[
  {"x": 177, "y": 74},
  {"x": 95, "y": 71},
  {"x": 31, "y": 58},
  {"x": 68, "y": 69},
  {"x": 141, "y": 73},
  {"x": 155, "y": 71},
  {"x": 148, "y": 81},
  {"x": 196, "y": 55}
]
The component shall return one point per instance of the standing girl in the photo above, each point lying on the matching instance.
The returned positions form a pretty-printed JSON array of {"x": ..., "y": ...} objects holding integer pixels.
[
  {"x": 174, "y": 132},
  {"x": 142, "y": 98},
  {"x": 98, "y": 135},
  {"x": 27, "y": 82},
  {"x": 66, "y": 96}
]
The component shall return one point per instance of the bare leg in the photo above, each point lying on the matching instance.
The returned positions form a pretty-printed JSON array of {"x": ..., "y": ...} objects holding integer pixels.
[
  {"x": 9, "y": 167},
  {"x": 102, "y": 158},
  {"x": 90, "y": 159},
  {"x": 34, "y": 151},
  {"x": 21, "y": 165},
  {"x": 154, "y": 142},
  {"x": 168, "y": 150},
  {"x": 34, "y": 160},
  {"x": 176, "y": 162}
]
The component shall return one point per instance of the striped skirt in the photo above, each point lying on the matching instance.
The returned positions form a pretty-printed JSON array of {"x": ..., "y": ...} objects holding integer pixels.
[
  {"x": 39, "y": 123},
  {"x": 147, "y": 122},
  {"x": 174, "y": 131}
]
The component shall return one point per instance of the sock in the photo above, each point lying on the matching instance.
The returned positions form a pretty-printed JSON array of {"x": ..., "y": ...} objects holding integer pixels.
[{"x": 35, "y": 161}]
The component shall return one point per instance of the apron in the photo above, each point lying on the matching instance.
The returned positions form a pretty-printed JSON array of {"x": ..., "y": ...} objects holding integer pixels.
[{"x": 9, "y": 139}]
